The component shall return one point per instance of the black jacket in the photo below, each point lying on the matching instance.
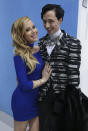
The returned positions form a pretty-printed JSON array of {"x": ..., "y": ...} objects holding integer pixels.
[{"x": 65, "y": 63}]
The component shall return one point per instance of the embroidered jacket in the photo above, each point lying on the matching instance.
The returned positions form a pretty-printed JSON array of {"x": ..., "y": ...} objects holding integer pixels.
[{"x": 65, "y": 63}]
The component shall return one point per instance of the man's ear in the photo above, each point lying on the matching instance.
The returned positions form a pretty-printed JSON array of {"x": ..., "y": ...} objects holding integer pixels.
[{"x": 60, "y": 20}]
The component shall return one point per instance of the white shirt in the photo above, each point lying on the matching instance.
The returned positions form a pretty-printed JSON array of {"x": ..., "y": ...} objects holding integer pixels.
[{"x": 50, "y": 48}]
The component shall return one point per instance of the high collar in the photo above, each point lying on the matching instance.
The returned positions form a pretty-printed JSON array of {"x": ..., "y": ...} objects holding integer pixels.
[
  {"x": 30, "y": 45},
  {"x": 55, "y": 35}
]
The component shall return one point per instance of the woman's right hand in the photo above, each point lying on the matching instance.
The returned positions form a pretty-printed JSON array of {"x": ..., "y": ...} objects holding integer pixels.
[
  {"x": 45, "y": 76},
  {"x": 46, "y": 72}
]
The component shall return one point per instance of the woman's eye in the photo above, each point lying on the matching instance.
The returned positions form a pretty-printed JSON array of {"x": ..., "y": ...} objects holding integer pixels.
[
  {"x": 33, "y": 27},
  {"x": 27, "y": 30}
]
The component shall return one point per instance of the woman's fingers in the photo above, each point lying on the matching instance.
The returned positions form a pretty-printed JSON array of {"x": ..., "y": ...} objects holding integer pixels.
[{"x": 48, "y": 68}]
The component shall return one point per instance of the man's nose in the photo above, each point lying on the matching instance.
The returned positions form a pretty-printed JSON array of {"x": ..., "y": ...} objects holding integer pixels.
[{"x": 47, "y": 25}]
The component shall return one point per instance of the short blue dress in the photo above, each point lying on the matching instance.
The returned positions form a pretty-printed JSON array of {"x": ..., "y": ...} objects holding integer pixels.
[{"x": 24, "y": 101}]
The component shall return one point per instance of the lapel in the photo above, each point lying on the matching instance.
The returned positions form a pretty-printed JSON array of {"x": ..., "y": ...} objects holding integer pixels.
[{"x": 57, "y": 46}]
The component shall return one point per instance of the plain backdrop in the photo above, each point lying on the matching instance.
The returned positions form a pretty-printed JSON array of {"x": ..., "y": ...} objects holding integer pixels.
[{"x": 10, "y": 10}]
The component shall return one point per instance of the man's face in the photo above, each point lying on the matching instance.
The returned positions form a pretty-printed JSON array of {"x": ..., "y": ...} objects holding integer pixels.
[{"x": 51, "y": 23}]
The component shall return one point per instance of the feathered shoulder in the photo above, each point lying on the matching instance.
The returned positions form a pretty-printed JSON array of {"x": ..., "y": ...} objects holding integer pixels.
[{"x": 71, "y": 41}]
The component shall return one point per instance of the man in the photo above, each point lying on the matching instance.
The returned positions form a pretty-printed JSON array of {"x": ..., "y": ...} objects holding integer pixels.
[{"x": 59, "y": 98}]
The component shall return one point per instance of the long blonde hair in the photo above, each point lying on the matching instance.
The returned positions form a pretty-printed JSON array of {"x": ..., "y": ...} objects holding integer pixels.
[{"x": 20, "y": 43}]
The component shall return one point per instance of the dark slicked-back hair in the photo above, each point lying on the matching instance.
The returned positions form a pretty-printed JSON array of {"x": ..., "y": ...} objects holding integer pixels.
[{"x": 57, "y": 8}]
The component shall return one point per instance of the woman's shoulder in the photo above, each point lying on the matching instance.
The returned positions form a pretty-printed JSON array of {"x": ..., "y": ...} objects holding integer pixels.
[{"x": 17, "y": 58}]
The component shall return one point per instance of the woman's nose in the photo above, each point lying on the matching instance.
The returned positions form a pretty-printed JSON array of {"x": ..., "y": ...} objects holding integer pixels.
[{"x": 33, "y": 31}]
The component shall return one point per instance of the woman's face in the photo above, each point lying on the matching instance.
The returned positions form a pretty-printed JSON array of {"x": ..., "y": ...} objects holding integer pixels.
[{"x": 31, "y": 33}]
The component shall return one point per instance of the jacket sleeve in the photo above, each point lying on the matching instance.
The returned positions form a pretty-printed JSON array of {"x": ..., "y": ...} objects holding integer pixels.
[
  {"x": 20, "y": 68},
  {"x": 74, "y": 63}
]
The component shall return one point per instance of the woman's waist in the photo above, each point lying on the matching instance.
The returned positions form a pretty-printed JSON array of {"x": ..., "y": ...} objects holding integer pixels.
[{"x": 19, "y": 88}]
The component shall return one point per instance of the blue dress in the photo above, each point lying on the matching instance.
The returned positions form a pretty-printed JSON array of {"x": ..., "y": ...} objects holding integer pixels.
[{"x": 24, "y": 99}]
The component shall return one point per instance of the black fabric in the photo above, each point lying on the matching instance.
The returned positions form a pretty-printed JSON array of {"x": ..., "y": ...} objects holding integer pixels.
[
  {"x": 66, "y": 111},
  {"x": 64, "y": 61}
]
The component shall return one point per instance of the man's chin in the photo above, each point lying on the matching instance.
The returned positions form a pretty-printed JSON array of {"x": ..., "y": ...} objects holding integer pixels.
[{"x": 50, "y": 33}]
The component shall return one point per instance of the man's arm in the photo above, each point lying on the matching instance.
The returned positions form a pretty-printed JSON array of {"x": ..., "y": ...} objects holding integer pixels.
[{"x": 74, "y": 63}]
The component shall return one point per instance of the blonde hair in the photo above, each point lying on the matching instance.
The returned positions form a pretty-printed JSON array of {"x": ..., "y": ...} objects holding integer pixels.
[{"x": 19, "y": 43}]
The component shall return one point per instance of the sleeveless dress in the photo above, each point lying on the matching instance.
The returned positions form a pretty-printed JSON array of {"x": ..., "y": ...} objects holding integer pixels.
[{"x": 24, "y": 99}]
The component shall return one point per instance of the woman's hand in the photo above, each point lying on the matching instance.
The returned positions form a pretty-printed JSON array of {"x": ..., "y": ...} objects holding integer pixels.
[
  {"x": 46, "y": 72},
  {"x": 45, "y": 76}
]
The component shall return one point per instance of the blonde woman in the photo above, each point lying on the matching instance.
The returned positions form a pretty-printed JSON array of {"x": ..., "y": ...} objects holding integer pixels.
[{"x": 28, "y": 64}]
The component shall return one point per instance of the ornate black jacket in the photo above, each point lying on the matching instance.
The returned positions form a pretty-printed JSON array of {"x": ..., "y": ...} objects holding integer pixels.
[{"x": 65, "y": 63}]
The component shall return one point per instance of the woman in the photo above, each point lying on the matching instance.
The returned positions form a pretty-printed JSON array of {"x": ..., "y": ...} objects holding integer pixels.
[{"x": 28, "y": 65}]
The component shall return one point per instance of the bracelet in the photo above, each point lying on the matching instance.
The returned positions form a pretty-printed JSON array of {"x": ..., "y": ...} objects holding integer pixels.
[{"x": 42, "y": 81}]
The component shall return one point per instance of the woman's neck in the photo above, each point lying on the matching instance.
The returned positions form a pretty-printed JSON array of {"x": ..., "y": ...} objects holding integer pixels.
[{"x": 31, "y": 45}]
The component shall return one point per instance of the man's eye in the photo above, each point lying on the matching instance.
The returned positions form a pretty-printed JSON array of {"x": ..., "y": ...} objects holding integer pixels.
[
  {"x": 44, "y": 22},
  {"x": 50, "y": 21}
]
